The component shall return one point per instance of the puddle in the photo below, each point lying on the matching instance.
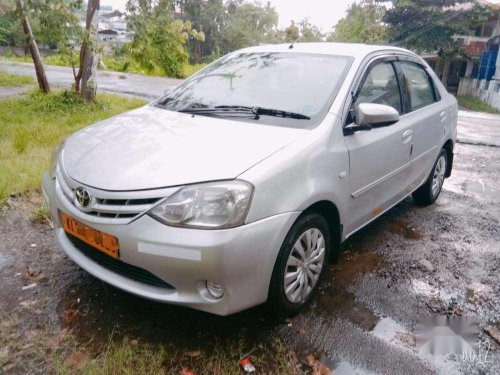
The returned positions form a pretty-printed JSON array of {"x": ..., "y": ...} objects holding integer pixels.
[
  {"x": 461, "y": 184},
  {"x": 420, "y": 287},
  {"x": 345, "y": 368},
  {"x": 388, "y": 329},
  {"x": 3, "y": 258},
  {"x": 423, "y": 288},
  {"x": 480, "y": 190}
]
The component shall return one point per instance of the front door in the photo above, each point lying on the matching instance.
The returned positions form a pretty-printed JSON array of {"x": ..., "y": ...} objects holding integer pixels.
[{"x": 378, "y": 158}]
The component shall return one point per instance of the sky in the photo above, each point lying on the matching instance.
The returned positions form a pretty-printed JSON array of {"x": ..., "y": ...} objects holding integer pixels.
[{"x": 323, "y": 13}]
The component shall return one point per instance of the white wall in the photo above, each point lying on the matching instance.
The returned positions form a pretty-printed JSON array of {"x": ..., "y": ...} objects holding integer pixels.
[{"x": 477, "y": 89}]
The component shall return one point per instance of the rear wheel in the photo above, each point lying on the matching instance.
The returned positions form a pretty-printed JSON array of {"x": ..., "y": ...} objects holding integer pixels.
[
  {"x": 300, "y": 265},
  {"x": 429, "y": 192}
]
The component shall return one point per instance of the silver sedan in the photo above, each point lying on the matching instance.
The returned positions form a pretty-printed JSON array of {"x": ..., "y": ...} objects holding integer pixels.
[{"x": 239, "y": 185}]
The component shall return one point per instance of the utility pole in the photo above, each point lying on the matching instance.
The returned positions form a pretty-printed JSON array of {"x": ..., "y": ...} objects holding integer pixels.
[{"x": 43, "y": 83}]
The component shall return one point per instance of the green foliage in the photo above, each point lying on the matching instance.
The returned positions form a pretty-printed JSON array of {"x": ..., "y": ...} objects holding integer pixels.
[
  {"x": 11, "y": 32},
  {"x": 189, "y": 69},
  {"x": 7, "y": 79},
  {"x": 292, "y": 32},
  {"x": 159, "y": 44},
  {"x": 309, "y": 32},
  {"x": 362, "y": 24},
  {"x": 54, "y": 22},
  {"x": 33, "y": 126},
  {"x": 121, "y": 64},
  {"x": 474, "y": 104},
  {"x": 207, "y": 16},
  {"x": 70, "y": 58},
  {"x": 429, "y": 25},
  {"x": 247, "y": 24},
  {"x": 41, "y": 215}
]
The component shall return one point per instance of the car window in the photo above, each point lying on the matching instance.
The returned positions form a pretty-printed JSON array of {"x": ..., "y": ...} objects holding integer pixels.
[
  {"x": 419, "y": 85},
  {"x": 381, "y": 87}
]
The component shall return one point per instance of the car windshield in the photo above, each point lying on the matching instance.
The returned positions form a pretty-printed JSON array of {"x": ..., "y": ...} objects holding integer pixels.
[{"x": 274, "y": 88}]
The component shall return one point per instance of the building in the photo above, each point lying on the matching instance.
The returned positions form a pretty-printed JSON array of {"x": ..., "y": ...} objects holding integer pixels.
[
  {"x": 485, "y": 84},
  {"x": 113, "y": 27},
  {"x": 477, "y": 62}
]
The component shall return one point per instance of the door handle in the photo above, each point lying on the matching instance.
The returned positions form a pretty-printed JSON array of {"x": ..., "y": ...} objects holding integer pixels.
[
  {"x": 443, "y": 116},
  {"x": 407, "y": 135}
]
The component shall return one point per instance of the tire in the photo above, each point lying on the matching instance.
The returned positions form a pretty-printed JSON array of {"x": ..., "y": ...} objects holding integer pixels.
[
  {"x": 428, "y": 193},
  {"x": 312, "y": 226}
]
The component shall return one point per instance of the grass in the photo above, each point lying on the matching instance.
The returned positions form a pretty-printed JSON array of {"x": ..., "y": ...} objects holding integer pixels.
[
  {"x": 34, "y": 125},
  {"x": 40, "y": 215},
  {"x": 60, "y": 352},
  {"x": 132, "y": 357},
  {"x": 7, "y": 79},
  {"x": 474, "y": 104}
]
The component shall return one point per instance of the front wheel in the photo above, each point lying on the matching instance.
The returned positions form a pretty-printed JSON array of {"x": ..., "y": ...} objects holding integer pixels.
[
  {"x": 429, "y": 192},
  {"x": 300, "y": 265}
]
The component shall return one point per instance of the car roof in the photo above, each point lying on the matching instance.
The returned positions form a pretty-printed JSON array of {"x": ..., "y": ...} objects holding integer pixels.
[{"x": 356, "y": 50}]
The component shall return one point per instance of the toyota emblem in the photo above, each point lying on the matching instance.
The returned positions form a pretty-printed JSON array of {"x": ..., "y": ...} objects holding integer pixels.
[{"x": 82, "y": 198}]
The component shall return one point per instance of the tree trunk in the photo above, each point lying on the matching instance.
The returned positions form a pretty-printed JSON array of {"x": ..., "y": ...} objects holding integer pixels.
[
  {"x": 85, "y": 79},
  {"x": 43, "y": 83}
]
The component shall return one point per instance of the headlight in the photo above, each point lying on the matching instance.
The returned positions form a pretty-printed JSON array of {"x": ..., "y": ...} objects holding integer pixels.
[
  {"x": 212, "y": 205},
  {"x": 54, "y": 158}
]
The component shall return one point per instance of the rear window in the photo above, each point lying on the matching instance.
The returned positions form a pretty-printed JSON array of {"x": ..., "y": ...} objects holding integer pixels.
[{"x": 420, "y": 85}]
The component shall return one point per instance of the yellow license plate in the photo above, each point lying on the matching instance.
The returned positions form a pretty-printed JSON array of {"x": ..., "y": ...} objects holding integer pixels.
[{"x": 101, "y": 241}]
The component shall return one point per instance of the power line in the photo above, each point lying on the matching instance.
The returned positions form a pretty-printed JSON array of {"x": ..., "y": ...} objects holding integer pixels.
[{"x": 428, "y": 28}]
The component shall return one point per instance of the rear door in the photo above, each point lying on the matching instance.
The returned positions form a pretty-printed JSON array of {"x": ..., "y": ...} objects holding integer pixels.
[
  {"x": 378, "y": 158},
  {"x": 426, "y": 115}
]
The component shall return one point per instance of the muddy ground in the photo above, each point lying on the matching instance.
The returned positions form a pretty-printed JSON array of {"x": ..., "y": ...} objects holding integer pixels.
[{"x": 362, "y": 321}]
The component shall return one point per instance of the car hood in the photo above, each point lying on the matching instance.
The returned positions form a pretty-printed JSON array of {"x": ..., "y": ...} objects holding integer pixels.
[{"x": 152, "y": 148}]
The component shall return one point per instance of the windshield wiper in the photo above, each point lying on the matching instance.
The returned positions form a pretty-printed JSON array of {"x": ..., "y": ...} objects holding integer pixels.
[{"x": 236, "y": 110}]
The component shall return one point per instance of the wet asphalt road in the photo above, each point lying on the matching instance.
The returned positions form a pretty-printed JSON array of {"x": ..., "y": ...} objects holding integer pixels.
[
  {"x": 363, "y": 319},
  {"x": 124, "y": 83}
]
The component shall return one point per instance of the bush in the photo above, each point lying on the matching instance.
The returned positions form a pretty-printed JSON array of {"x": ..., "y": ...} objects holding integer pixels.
[
  {"x": 63, "y": 59},
  {"x": 188, "y": 69},
  {"x": 67, "y": 101}
]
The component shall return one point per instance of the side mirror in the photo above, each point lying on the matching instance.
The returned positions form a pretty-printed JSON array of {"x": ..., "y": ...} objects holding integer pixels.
[{"x": 371, "y": 115}]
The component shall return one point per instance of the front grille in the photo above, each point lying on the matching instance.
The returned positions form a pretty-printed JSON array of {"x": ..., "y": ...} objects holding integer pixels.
[
  {"x": 117, "y": 266},
  {"x": 122, "y": 210}
]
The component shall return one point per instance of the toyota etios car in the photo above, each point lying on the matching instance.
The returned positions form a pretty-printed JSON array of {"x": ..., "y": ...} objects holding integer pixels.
[{"x": 237, "y": 186}]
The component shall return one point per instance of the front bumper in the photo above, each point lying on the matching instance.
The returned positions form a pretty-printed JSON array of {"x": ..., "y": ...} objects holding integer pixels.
[{"x": 240, "y": 259}]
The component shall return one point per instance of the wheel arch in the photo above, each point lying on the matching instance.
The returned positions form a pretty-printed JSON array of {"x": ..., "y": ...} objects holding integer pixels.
[
  {"x": 448, "y": 147},
  {"x": 330, "y": 212}
]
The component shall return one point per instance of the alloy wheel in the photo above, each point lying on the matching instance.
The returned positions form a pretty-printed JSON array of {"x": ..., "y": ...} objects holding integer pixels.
[
  {"x": 304, "y": 265},
  {"x": 438, "y": 177}
]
